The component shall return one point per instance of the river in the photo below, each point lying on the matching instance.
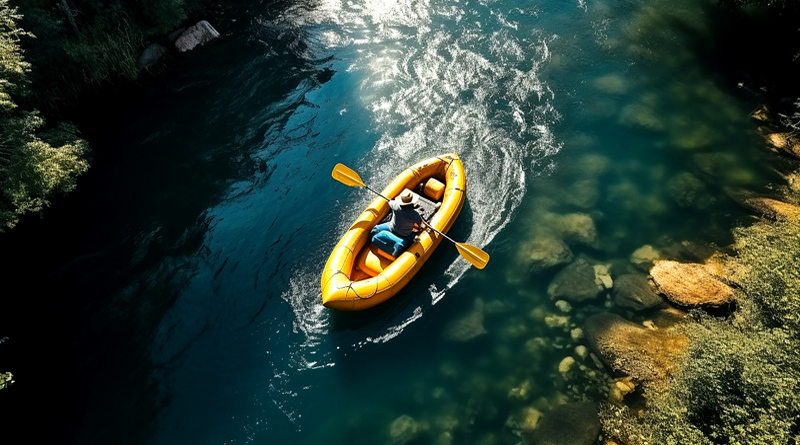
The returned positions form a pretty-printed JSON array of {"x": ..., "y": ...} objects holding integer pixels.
[{"x": 177, "y": 290}]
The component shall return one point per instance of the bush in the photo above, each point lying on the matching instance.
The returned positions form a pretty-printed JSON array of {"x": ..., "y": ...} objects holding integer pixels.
[
  {"x": 35, "y": 163},
  {"x": 739, "y": 382}
]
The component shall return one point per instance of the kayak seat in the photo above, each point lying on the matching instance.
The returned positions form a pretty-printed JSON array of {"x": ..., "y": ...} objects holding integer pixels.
[{"x": 373, "y": 260}]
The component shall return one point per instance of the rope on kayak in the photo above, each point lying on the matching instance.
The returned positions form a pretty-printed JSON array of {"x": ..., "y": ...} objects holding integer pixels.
[
  {"x": 449, "y": 162},
  {"x": 374, "y": 292}
]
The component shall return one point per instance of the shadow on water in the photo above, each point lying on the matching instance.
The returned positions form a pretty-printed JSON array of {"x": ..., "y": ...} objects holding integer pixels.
[{"x": 105, "y": 264}]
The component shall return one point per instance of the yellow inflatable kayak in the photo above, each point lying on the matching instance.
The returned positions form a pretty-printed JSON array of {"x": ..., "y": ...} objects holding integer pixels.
[{"x": 358, "y": 275}]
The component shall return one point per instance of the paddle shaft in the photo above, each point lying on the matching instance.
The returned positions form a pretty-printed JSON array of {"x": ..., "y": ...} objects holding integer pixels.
[
  {"x": 475, "y": 256},
  {"x": 375, "y": 192}
]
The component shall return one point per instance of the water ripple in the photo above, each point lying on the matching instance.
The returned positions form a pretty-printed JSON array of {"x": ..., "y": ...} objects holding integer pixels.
[{"x": 440, "y": 77}]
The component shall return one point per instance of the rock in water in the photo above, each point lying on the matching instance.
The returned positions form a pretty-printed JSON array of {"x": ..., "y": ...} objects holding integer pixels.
[
  {"x": 151, "y": 55},
  {"x": 468, "y": 327},
  {"x": 690, "y": 284},
  {"x": 199, "y": 34},
  {"x": 644, "y": 257},
  {"x": 570, "y": 424},
  {"x": 633, "y": 291},
  {"x": 647, "y": 356},
  {"x": 575, "y": 283},
  {"x": 404, "y": 429}
]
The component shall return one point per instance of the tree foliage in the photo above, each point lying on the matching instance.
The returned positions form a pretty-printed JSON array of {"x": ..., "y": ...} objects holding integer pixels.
[{"x": 36, "y": 163}]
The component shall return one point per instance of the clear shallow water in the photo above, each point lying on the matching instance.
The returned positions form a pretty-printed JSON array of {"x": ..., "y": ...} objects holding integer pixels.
[{"x": 195, "y": 255}]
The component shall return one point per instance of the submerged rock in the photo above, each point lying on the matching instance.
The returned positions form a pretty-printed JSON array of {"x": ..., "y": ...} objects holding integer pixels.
[
  {"x": 761, "y": 114},
  {"x": 524, "y": 421},
  {"x": 633, "y": 291},
  {"x": 647, "y": 356},
  {"x": 569, "y": 424},
  {"x": 563, "y": 306},
  {"x": 619, "y": 388},
  {"x": 642, "y": 116},
  {"x": 574, "y": 227},
  {"x": 690, "y": 284},
  {"x": 575, "y": 283},
  {"x": 688, "y": 191},
  {"x": 468, "y": 327},
  {"x": 602, "y": 276},
  {"x": 583, "y": 194},
  {"x": 644, "y": 257},
  {"x": 522, "y": 392},
  {"x": 612, "y": 84},
  {"x": 543, "y": 252},
  {"x": 197, "y": 35},
  {"x": 566, "y": 364},
  {"x": 404, "y": 429}
]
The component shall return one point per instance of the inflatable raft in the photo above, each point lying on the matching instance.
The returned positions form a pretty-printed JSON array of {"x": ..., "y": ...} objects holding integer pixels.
[{"x": 359, "y": 275}]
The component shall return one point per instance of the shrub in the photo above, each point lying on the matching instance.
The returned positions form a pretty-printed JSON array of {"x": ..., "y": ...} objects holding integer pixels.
[
  {"x": 739, "y": 382},
  {"x": 35, "y": 163}
]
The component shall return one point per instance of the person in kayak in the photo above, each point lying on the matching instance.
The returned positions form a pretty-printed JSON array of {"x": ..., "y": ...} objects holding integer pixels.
[{"x": 396, "y": 235}]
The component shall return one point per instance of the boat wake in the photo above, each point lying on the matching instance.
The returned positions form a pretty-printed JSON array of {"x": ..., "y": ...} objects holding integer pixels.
[{"x": 438, "y": 77}]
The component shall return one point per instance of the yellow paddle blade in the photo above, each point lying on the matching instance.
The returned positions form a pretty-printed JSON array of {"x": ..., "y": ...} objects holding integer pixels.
[
  {"x": 346, "y": 176},
  {"x": 476, "y": 256}
]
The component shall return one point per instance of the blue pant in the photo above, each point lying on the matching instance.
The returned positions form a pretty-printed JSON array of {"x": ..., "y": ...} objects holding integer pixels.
[{"x": 390, "y": 242}]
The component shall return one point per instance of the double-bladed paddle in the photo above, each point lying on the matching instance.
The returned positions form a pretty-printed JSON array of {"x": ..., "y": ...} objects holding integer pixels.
[{"x": 475, "y": 256}]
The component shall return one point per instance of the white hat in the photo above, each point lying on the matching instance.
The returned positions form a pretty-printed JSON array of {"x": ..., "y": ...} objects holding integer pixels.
[{"x": 406, "y": 198}]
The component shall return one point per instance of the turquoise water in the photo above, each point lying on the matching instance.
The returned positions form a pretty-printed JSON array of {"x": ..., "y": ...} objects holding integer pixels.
[{"x": 191, "y": 255}]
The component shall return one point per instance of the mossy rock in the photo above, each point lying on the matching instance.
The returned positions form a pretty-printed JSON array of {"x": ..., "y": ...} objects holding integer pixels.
[{"x": 648, "y": 356}]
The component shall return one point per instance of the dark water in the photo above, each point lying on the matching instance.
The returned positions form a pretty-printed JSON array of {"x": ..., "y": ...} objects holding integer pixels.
[{"x": 177, "y": 294}]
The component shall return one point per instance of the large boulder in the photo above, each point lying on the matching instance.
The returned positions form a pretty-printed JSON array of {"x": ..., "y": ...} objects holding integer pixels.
[
  {"x": 570, "y": 424},
  {"x": 690, "y": 284},
  {"x": 577, "y": 283},
  {"x": 194, "y": 36},
  {"x": 648, "y": 356},
  {"x": 633, "y": 291}
]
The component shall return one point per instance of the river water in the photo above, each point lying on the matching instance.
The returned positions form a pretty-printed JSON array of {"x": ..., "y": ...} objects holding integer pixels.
[{"x": 186, "y": 266}]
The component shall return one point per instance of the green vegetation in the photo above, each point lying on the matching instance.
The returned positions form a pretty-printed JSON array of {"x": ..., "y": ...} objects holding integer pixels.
[
  {"x": 35, "y": 163},
  {"x": 740, "y": 380},
  {"x": 64, "y": 50},
  {"x": 85, "y": 44}
]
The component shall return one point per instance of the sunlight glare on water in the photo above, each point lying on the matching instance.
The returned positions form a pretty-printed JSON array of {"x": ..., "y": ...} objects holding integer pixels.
[{"x": 443, "y": 77}]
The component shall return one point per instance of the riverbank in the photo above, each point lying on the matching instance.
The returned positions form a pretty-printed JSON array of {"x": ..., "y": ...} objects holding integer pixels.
[{"x": 735, "y": 375}]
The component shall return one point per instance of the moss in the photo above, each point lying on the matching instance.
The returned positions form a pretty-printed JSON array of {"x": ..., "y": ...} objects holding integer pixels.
[{"x": 739, "y": 381}]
